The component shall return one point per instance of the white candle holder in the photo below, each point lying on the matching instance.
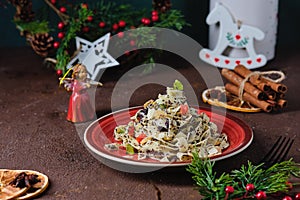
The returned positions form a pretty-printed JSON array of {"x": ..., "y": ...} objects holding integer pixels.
[{"x": 262, "y": 14}]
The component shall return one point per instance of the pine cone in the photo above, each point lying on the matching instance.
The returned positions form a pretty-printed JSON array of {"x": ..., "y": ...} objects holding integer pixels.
[
  {"x": 23, "y": 10},
  {"x": 21, "y": 3},
  {"x": 42, "y": 44},
  {"x": 161, "y": 5}
]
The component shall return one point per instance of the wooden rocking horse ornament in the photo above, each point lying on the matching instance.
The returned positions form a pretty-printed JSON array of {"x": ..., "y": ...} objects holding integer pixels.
[{"x": 234, "y": 35}]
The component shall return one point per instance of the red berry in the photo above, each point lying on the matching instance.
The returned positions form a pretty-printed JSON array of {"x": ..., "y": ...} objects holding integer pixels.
[
  {"x": 60, "y": 25},
  {"x": 115, "y": 27},
  {"x": 143, "y": 20},
  {"x": 122, "y": 23},
  {"x": 155, "y": 18},
  {"x": 61, "y": 35},
  {"x": 229, "y": 189},
  {"x": 154, "y": 13},
  {"x": 261, "y": 195},
  {"x": 84, "y": 5},
  {"x": 53, "y": 1},
  {"x": 89, "y": 18},
  {"x": 132, "y": 42},
  {"x": 101, "y": 24},
  {"x": 287, "y": 198},
  {"x": 121, "y": 34},
  {"x": 63, "y": 9},
  {"x": 289, "y": 185},
  {"x": 56, "y": 45},
  {"x": 146, "y": 21},
  {"x": 250, "y": 187},
  {"x": 297, "y": 197},
  {"x": 85, "y": 29},
  {"x": 59, "y": 72}
]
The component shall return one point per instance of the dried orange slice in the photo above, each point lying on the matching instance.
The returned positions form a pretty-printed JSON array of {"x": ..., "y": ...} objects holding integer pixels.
[
  {"x": 9, "y": 191},
  {"x": 223, "y": 102}
]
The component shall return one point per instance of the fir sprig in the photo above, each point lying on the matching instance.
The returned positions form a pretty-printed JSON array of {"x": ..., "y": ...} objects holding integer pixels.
[
  {"x": 111, "y": 13},
  {"x": 100, "y": 18},
  {"x": 209, "y": 186},
  {"x": 32, "y": 27},
  {"x": 172, "y": 19},
  {"x": 74, "y": 27},
  {"x": 271, "y": 180}
]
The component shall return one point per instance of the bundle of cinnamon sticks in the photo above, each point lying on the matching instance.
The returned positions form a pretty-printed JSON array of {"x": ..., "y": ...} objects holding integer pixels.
[{"x": 257, "y": 90}]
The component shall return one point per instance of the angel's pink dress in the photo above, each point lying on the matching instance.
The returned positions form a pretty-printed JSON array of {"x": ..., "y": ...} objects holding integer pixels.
[{"x": 80, "y": 108}]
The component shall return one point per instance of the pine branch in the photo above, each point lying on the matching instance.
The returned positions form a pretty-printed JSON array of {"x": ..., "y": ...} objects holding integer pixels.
[
  {"x": 208, "y": 185},
  {"x": 271, "y": 180},
  {"x": 108, "y": 13},
  {"x": 74, "y": 27},
  {"x": 32, "y": 27},
  {"x": 172, "y": 19}
]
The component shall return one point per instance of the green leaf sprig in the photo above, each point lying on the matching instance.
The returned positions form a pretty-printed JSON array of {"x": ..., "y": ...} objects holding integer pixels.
[
  {"x": 172, "y": 19},
  {"x": 32, "y": 27},
  {"x": 98, "y": 18},
  {"x": 271, "y": 180},
  {"x": 177, "y": 85},
  {"x": 74, "y": 27}
]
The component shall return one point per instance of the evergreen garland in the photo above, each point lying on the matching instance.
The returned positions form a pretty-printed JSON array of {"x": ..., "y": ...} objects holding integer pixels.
[
  {"x": 247, "y": 182},
  {"x": 84, "y": 21},
  {"x": 75, "y": 24}
]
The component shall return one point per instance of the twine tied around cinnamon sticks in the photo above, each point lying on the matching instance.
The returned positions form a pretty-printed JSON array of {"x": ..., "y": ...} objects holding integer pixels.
[
  {"x": 256, "y": 88},
  {"x": 255, "y": 73}
]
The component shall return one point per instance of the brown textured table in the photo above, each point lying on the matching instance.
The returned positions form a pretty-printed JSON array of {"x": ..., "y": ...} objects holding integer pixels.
[{"x": 35, "y": 135}]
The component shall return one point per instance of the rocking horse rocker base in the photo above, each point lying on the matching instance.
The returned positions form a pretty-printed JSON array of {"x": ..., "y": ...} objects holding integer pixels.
[
  {"x": 222, "y": 61},
  {"x": 235, "y": 35}
]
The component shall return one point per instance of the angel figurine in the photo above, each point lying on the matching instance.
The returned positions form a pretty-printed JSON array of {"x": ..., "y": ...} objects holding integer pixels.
[{"x": 80, "y": 108}]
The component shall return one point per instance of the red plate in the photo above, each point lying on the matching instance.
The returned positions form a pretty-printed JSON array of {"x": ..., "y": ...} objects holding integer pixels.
[{"x": 100, "y": 132}]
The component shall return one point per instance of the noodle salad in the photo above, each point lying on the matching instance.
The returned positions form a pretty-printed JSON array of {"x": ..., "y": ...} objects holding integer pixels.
[{"x": 168, "y": 129}]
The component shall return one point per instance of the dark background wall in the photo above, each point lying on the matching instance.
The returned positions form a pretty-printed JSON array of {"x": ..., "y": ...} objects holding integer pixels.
[{"x": 195, "y": 12}]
